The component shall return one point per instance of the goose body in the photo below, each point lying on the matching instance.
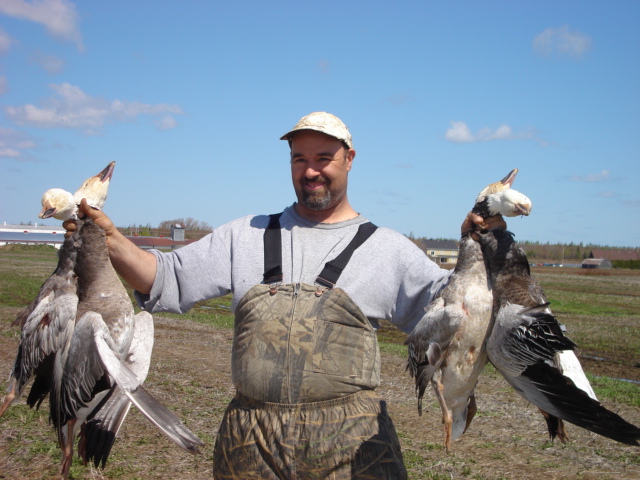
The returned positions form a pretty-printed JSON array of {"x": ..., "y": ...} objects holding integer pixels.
[
  {"x": 83, "y": 345},
  {"x": 528, "y": 346},
  {"x": 446, "y": 348}
]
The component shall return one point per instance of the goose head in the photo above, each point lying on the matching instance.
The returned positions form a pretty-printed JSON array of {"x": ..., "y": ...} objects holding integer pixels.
[
  {"x": 58, "y": 203},
  {"x": 62, "y": 205},
  {"x": 500, "y": 199},
  {"x": 95, "y": 188}
]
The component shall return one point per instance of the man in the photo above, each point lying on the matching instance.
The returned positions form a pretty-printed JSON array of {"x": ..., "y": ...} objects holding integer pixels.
[{"x": 309, "y": 286}]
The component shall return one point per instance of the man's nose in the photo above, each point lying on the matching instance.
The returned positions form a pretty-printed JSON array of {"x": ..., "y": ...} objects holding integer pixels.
[{"x": 312, "y": 171}]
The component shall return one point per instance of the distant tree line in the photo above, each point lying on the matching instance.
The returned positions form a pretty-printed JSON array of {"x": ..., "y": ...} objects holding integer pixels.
[
  {"x": 552, "y": 252},
  {"x": 631, "y": 264}
]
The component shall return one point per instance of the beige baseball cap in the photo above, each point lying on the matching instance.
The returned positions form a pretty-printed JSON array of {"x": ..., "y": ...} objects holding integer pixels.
[{"x": 322, "y": 122}]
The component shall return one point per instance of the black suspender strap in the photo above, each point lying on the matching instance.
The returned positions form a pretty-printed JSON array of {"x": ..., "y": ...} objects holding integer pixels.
[
  {"x": 273, "y": 251},
  {"x": 333, "y": 269}
]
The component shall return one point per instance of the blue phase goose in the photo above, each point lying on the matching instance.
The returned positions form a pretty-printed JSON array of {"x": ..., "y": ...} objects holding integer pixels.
[
  {"x": 446, "y": 348},
  {"x": 529, "y": 348},
  {"x": 82, "y": 344}
]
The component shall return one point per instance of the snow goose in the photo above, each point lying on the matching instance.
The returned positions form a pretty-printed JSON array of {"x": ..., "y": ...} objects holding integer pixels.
[
  {"x": 446, "y": 348},
  {"x": 62, "y": 205},
  {"x": 528, "y": 347},
  {"x": 84, "y": 346}
]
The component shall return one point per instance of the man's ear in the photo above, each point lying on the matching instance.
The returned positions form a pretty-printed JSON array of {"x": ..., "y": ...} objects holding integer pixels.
[{"x": 351, "y": 154}]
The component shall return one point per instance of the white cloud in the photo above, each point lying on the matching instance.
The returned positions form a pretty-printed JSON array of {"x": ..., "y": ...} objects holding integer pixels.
[
  {"x": 73, "y": 108},
  {"x": 459, "y": 132},
  {"x": 562, "y": 42},
  {"x": 15, "y": 144},
  {"x": 603, "y": 176},
  {"x": 59, "y": 17},
  {"x": 167, "y": 122},
  {"x": 5, "y": 41},
  {"x": 50, "y": 63}
]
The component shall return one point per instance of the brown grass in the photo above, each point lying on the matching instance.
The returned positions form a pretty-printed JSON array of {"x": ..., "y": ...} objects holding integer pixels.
[{"x": 190, "y": 373}]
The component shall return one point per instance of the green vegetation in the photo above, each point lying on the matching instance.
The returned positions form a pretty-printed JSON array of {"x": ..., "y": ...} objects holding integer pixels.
[
  {"x": 619, "y": 391},
  {"x": 24, "y": 269},
  {"x": 216, "y": 311},
  {"x": 631, "y": 264}
]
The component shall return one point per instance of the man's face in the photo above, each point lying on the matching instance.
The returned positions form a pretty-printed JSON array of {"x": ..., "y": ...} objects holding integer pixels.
[{"x": 319, "y": 169}]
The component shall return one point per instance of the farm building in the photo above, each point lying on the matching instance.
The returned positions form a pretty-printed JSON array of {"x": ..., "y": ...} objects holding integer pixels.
[
  {"x": 441, "y": 251},
  {"x": 54, "y": 236},
  {"x": 615, "y": 254},
  {"x": 602, "y": 263}
]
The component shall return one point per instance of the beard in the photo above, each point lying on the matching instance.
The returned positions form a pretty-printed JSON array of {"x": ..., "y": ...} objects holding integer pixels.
[{"x": 316, "y": 200}]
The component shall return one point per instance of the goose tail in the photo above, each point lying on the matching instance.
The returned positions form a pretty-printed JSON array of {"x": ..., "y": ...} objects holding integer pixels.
[{"x": 151, "y": 408}]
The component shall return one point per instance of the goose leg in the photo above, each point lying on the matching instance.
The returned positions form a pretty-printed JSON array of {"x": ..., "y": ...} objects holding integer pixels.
[
  {"x": 563, "y": 436},
  {"x": 555, "y": 426},
  {"x": 11, "y": 395},
  {"x": 67, "y": 449},
  {"x": 472, "y": 408},
  {"x": 447, "y": 417},
  {"x": 82, "y": 444}
]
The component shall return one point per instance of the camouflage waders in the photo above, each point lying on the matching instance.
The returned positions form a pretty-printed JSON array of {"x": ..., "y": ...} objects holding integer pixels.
[{"x": 305, "y": 364}]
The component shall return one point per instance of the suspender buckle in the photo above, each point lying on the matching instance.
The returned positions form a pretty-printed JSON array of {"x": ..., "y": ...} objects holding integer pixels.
[
  {"x": 320, "y": 290},
  {"x": 323, "y": 285},
  {"x": 273, "y": 288}
]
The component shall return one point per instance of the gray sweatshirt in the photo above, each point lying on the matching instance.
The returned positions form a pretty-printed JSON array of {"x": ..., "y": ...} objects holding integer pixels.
[{"x": 388, "y": 277}]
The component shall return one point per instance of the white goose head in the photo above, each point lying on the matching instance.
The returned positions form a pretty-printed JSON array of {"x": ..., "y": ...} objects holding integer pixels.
[
  {"x": 500, "y": 199},
  {"x": 58, "y": 203},
  {"x": 62, "y": 205},
  {"x": 95, "y": 188}
]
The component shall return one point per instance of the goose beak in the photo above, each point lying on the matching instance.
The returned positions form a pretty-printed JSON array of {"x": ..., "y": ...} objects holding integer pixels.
[
  {"x": 47, "y": 212},
  {"x": 508, "y": 180},
  {"x": 106, "y": 174},
  {"x": 523, "y": 208}
]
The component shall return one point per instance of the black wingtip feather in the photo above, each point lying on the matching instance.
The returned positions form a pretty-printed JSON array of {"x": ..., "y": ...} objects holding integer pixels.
[{"x": 574, "y": 405}]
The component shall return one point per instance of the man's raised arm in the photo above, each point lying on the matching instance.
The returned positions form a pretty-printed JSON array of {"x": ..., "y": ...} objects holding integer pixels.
[{"x": 136, "y": 266}]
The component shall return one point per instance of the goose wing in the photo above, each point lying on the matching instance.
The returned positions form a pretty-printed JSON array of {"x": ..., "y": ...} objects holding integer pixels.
[
  {"x": 47, "y": 325},
  {"x": 522, "y": 346},
  {"x": 97, "y": 355},
  {"x": 103, "y": 424},
  {"x": 428, "y": 343}
]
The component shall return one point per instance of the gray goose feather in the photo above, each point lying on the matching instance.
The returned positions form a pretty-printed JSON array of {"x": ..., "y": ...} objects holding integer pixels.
[
  {"x": 446, "y": 348},
  {"x": 84, "y": 346},
  {"x": 528, "y": 346}
]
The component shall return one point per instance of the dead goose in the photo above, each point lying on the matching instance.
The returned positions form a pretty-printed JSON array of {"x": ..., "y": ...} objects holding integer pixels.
[
  {"x": 446, "y": 347},
  {"x": 78, "y": 339},
  {"x": 528, "y": 347},
  {"x": 62, "y": 205}
]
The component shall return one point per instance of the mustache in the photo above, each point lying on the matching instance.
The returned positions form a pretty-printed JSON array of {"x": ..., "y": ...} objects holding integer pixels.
[{"x": 317, "y": 178}]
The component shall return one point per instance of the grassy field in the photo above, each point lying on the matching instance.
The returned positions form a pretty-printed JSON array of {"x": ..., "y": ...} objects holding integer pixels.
[{"x": 191, "y": 374}]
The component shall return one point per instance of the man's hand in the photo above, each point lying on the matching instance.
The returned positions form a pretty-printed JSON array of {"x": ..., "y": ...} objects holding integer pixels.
[
  {"x": 98, "y": 217},
  {"x": 475, "y": 222}
]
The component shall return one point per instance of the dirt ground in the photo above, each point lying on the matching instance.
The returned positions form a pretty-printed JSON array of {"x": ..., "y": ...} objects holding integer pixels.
[{"x": 190, "y": 373}]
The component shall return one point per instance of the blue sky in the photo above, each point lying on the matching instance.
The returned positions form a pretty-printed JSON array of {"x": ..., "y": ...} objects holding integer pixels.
[{"x": 442, "y": 98}]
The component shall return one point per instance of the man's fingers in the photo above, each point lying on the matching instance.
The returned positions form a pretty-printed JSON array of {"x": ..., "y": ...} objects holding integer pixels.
[
  {"x": 493, "y": 222},
  {"x": 70, "y": 226}
]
